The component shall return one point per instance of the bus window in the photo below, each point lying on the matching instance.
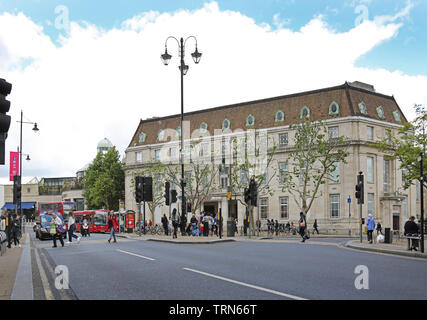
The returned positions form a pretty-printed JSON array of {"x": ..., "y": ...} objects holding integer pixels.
[{"x": 100, "y": 218}]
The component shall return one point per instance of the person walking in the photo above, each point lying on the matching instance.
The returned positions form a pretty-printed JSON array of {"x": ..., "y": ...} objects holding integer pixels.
[
  {"x": 411, "y": 229},
  {"x": 315, "y": 226},
  {"x": 370, "y": 223},
  {"x": 59, "y": 226},
  {"x": 302, "y": 226},
  {"x": 112, "y": 225},
  {"x": 276, "y": 227},
  {"x": 175, "y": 222},
  {"x": 379, "y": 228},
  {"x": 165, "y": 224},
  {"x": 14, "y": 227},
  {"x": 72, "y": 228}
]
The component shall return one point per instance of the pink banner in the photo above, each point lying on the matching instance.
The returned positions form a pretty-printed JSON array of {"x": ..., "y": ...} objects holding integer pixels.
[{"x": 14, "y": 165}]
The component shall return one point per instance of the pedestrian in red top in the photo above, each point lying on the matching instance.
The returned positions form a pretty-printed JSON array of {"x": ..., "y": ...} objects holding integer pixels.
[{"x": 112, "y": 226}]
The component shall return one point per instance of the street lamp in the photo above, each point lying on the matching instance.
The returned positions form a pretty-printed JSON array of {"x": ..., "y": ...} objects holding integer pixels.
[
  {"x": 183, "y": 68},
  {"x": 36, "y": 130},
  {"x": 420, "y": 159}
]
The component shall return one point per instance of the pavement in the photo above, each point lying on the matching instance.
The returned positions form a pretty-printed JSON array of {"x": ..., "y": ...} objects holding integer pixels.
[{"x": 15, "y": 267}]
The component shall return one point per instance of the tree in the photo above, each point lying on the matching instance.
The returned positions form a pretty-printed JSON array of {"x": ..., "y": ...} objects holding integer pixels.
[
  {"x": 407, "y": 146},
  {"x": 312, "y": 161},
  {"x": 103, "y": 182}
]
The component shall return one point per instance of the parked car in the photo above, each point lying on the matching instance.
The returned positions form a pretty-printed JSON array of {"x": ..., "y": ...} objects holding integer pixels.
[{"x": 42, "y": 227}]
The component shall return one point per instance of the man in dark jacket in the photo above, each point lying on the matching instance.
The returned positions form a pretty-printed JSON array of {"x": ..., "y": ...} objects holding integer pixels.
[
  {"x": 411, "y": 228},
  {"x": 165, "y": 224}
]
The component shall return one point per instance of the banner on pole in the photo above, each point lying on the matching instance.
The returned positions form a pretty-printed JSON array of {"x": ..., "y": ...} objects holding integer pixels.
[{"x": 14, "y": 165}]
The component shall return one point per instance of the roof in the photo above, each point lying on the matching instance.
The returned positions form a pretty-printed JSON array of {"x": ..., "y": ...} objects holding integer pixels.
[{"x": 347, "y": 96}]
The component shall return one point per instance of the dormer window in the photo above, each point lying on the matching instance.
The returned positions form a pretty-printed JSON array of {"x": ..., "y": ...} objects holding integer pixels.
[
  {"x": 226, "y": 124},
  {"x": 380, "y": 112},
  {"x": 334, "y": 108},
  {"x": 396, "y": 116},
  {"x": 161, "y": 135},
  {"x": 250, "y": 120},
  {"x": 141, "y": 138},
  {"x": 362, "y": 108},
  {"x": 305, "y": 113},
  {"x": 203, "y": 127},
  {"x": 280, "y": 116}
]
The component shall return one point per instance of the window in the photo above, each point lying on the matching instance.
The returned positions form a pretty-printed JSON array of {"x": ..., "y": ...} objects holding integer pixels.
[
  {"x": 305, "y": 113},
  {"x": 224, "y": 182},
  {"x": 396, "y": 116},
  {"x": 386, "y": 176},
  {"x": 280, "y": 116},
  {"x": 157, "y": 154},
  {"x": 370, "y": 133},
  {"x": 370, "y": 169},
  {"x": 203, "y": 127},
  {"x": 28, "y": 190},
  {"x": 204, "y": 150},
  {"x": 173, "y": 153},
  {"x": 226, "y": 124},
  {"x": 250, "y": 120},
  {"x": 161, "y": 135},
  {"x": 283, "y": 139},
  {"x": 100, "y": 218},
  {"x": 333, "y": 132},
  {"x": 405, "y": 207},
  {"x": 334, "y": 200},
  {"x": 371, "y": 202},
  {"x": 178, "y": 132},
  {"x": 362, "y": 108},
  {"x": 263, "y": 207},
  {"x": 244, "y": 177},
  {"x": 284, "y": 208},
  {"x": 335, "y": 175},
  {"x": 334, "y": 108},
  {"x": 138, "y": 157},
  {"x": 283, "y": 171},
  {"x": 404, "y": 173},
  {"x": 380, "y": 112},
  {"x": 141, "y": 137}
]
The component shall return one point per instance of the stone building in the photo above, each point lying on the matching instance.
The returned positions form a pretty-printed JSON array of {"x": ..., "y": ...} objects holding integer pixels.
[{"x": 354, "y": 110}]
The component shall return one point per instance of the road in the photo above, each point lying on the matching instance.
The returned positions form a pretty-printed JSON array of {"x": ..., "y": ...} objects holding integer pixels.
[{"x": 241, "y": 270}]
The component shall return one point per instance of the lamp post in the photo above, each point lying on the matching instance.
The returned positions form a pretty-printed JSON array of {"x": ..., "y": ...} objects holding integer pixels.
[
  {"x": 166, "y": 57},
  {"x": 35, "y": 129},
  {"x": 420, "y": 159}
]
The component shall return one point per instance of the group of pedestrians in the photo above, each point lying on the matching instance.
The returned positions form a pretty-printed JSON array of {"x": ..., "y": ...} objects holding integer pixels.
[{"x": 12, "y": 225}]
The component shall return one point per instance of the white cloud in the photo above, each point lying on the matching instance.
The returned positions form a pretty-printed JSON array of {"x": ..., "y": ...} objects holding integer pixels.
[{"x": 99, "y": 83}]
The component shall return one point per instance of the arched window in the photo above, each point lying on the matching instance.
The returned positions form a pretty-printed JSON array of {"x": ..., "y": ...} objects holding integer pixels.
[
  {"x": 203, "y": 127},
  {"x": 226, "y": 124},
  {"x": 141, "y": 138},
  {"x": 161, "y": 135},
  {"x": 380, "y": 112},
  {"x": 362, "y": 108},
  {"x": 250, "y": 120},
  {"x": 280, "y": 116},
  {"x": 396, "y": 116},
  {"x": 305, "y": 113},
  {"x": 334, "y": 108}
]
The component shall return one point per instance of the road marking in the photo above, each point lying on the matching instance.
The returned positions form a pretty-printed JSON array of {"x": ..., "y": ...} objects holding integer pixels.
[
  {"x": 136, "y": 255},
  {"x": 248, "y": 285},
  {"x": 45, "y": 283}
]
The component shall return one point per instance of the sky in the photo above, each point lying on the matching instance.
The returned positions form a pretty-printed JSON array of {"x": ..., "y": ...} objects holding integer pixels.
[{"x": 85, "y": 70}]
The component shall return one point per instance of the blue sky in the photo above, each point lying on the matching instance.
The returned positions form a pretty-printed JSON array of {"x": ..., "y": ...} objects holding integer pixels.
[{"x": 405, "y": 52}]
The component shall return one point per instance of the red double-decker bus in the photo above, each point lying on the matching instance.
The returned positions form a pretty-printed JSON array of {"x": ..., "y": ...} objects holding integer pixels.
[
  {"x": 62, "y": 207},
  {"x": 97, "y": 220}
]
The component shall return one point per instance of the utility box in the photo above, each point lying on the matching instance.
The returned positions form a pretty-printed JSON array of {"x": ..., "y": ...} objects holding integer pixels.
[
  {"x": 230, "y": 228},
  {"x": 388, "y": 236}
]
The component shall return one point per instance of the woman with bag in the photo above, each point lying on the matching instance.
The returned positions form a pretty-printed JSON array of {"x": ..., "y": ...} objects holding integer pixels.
[
  {"x": 56, "y": 229},
  {"x": 112, "y": 226},
  {"x": 302, "y": 227},
  {"x": 72, "y": 228}
]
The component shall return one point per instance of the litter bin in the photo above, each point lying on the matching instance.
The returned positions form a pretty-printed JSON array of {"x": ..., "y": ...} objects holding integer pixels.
[
  {"x": 388, "y": 236},
  {"x": 230, "y": 228}
]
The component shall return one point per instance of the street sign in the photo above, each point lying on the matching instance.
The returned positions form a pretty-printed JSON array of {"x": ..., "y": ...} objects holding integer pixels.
[{"x": 348, "y": 200}]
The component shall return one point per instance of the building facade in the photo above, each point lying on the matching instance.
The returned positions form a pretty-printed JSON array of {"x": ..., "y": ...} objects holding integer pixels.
[{"x": 354, "y": 110}]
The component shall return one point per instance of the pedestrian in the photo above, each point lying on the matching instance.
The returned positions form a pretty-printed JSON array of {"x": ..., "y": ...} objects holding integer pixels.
[
  {"x": 112, "y": 225},
  {"x": 302, "y": 227},
  {"x": 379, "y": 228},
  {"x": 370, "y": 223},
  {"x": 315, "y": 226},
  {"x": 14, "y": 226},
  {"x": 57, "y": 225},
  {"x": 276, "y": 227},
  {"x": 175, "y": 222},
  {"x": 72, "y": 228},
  {"x": 411, "y": 229},
  {"x": 165, "y": 224}
]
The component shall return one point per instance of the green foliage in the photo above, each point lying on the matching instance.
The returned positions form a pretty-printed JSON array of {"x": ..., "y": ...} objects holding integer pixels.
[
  {"x": 103, "y": 182},
  {"x": 407, "y": 146}
]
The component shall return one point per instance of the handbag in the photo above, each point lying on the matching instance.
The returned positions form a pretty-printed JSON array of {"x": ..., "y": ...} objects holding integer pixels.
[{"x": 60, "y": 229}]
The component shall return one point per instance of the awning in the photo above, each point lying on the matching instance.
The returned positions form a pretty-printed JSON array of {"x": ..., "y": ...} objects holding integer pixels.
[{"x": 24, "y": 205}]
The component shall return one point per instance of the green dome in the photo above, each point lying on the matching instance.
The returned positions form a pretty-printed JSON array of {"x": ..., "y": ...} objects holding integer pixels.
[{"x": 104, "y": 145}]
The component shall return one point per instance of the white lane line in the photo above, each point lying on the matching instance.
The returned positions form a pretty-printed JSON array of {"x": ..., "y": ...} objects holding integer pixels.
[
  {"x": 248, "y": 285},
  {"x": 136, "y": 255}
]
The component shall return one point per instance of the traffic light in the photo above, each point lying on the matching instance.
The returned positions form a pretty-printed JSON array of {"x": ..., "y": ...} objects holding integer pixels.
[
  {"x": 254, "y": 192},
  {"x": 5, "y": 89},
  {"x": 359, "y": 189},
  {"x": 167, "y": 190},
  {"x": 247, "y": 195},
  {"x": 138, "y": 189},
  {"x": 174, "y": 196},
  {"x": 17, "y": 190},
  {"x": 147, "y": 188},
  {"x": 188, "y": 207}
]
